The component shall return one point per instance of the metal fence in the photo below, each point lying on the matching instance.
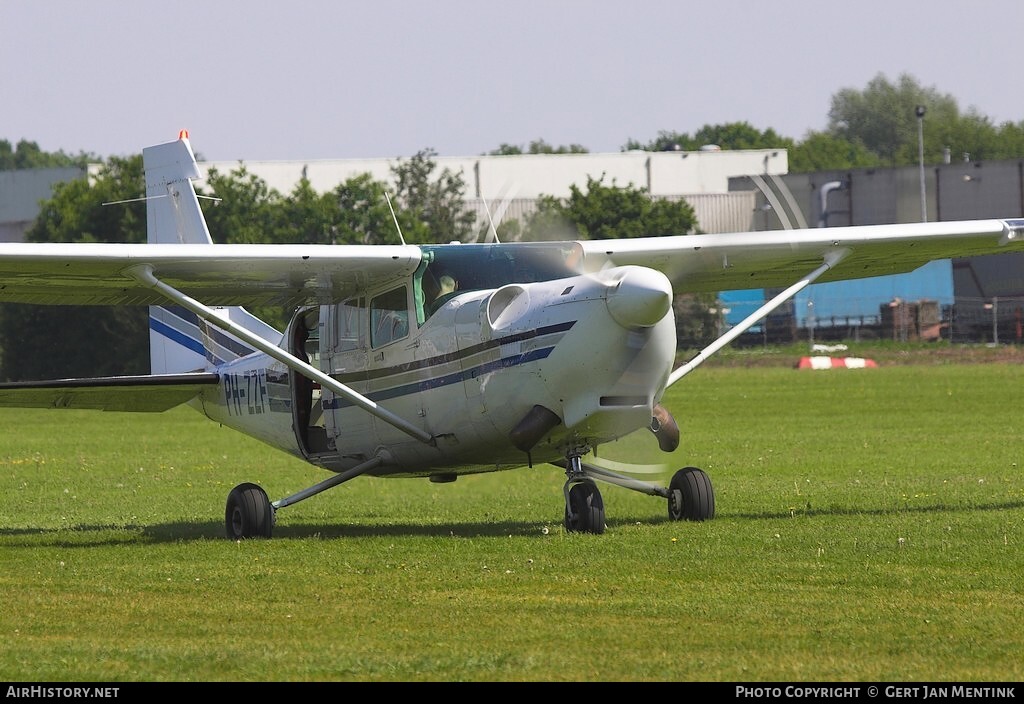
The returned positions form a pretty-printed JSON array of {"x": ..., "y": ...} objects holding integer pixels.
[{"x": 998, "y": 320}]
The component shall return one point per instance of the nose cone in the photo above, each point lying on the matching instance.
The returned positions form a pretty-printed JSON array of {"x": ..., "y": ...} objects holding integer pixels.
[{"x": 641, "y": 297}]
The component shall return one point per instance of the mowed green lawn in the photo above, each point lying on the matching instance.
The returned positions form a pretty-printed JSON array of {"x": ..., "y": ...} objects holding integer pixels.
[{"x": 869, "y": 527}]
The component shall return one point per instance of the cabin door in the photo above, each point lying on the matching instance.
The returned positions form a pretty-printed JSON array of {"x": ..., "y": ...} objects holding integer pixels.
[{"x": 345, "y": 350}]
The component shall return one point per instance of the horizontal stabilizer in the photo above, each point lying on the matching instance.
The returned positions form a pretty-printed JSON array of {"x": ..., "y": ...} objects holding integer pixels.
[{"x": 146, "y": 393}]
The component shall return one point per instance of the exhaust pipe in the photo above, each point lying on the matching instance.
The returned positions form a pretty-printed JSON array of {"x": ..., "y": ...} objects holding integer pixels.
[{"x": 665, "y": 428}]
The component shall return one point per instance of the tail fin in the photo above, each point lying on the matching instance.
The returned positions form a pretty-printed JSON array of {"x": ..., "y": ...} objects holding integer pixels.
[
  {"x": 173, "y": 214},
  {"x": 180, "y": 341}
]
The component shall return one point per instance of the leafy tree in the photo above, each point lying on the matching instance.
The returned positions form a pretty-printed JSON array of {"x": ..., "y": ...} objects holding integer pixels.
[
  {"x": 76, "y": 211},
  {"x": 666, "y": 141},
  {"x": 550, "y": 221},
  {"x": 607, "y": 212},
  {"x": 741, "y": 135},
  {"x": 306, "y": 217},
  {"x": 365, "y": 217},
  {"x": 432, "y": 210},
  {"x": 884, "y": 120},
  {"x": 538, "y": 146},
  {"x": 245, "y": 209},
  {"x": 505, "y": 149},
  {"x": 972, "y": 136},
  {"x": 64, "y": 341},
  {"x": 1011, "y": 140},
  {"x": 509, "y": 230},
  {"x": 821, "y": 151},
  {"x": 28, "y": 155},
  {"x": 733, "y": 135},
  {"x": 868, "y": 128}
]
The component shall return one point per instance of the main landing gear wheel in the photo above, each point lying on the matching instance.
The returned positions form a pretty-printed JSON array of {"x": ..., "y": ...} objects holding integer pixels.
[
  {"x": 249, "y": 513},
  {"x": 584, "y": 511},
  {"x": 690, "y": 496}
]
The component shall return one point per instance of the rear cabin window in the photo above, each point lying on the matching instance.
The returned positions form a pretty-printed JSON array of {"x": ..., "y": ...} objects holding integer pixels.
[
  {"x": 389, "y": 317},
  {"x": 351, "y": 325}
]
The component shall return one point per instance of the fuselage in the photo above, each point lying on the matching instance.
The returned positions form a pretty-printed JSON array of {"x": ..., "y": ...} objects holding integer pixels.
[{"x": 540, "y": 363}]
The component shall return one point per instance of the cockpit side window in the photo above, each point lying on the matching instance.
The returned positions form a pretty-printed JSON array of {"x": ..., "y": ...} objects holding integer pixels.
[
  {"x": 351, "y": 325},
  {"x": 389, "y": 316}
]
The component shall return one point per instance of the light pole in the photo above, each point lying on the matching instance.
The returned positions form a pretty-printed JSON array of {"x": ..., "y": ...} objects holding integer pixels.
[
  {"x": 920, "y": 159},
  {"x": 994, "y": 307},
  {"x": 810, "y": 322}
]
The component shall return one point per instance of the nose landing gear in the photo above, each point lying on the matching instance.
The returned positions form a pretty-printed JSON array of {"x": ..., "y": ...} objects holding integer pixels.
[
  {"x": 690, "y": 494},
  {"x": 584, "y": 507}
]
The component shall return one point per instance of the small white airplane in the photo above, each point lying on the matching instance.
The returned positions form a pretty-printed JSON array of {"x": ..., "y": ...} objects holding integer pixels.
[{"x": 542, "y": 352}]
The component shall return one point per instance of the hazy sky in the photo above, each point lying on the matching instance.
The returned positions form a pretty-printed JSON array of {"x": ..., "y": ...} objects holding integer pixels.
[{"x": 335, "y": 79}]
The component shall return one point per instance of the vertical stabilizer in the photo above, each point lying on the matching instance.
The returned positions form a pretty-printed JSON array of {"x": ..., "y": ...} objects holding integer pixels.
[
  {"x": 180, "y": 341},
  {"x": 172, "y": 208}
]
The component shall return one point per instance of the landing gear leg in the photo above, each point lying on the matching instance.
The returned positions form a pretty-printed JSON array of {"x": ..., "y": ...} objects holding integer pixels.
[
  {"x": 250, "y": 514},
  {"x": 584, "y": 507}
]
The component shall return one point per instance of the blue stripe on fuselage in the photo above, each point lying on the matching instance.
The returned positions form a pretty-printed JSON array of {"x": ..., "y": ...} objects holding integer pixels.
[
  {"x": 177, "y": 337},
  {"x": 439, "y": 381},
  {"x": 461, "y": 375},
  {"x": 184, "y": 318}
]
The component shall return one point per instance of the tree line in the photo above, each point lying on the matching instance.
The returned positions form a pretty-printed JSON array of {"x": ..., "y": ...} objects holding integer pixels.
[{"x": 874, "y": 127}]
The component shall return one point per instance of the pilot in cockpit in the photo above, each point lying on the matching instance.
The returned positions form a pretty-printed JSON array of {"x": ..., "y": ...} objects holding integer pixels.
[{"x": 447, "y": 284}]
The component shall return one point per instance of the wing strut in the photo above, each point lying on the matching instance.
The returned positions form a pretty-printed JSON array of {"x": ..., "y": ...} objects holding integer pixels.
[
  {"x": 144, "y": 275},
  {"x": 831, "y": 259}
]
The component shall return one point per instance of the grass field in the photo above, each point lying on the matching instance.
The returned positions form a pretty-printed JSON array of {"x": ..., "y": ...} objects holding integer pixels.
[{"x": 869, "y": 527}]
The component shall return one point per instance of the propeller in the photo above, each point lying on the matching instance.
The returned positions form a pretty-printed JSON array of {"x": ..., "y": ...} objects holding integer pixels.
[
  {"x": 637, "y": 447},
  {"x": 627, "y": 467}
]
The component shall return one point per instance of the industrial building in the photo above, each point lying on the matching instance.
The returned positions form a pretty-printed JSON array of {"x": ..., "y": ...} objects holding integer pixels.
[
  {"x": 968, "y": 299},
  {"x": 22, "y": 190}
]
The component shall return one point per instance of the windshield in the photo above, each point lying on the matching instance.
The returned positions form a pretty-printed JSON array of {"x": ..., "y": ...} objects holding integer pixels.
[
  {"x": 481, "y": 266},
  {"x": 448, "y": 270}
]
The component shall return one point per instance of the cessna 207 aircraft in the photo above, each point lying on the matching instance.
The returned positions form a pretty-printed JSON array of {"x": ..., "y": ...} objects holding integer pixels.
[{"x": 542, "y": 353}]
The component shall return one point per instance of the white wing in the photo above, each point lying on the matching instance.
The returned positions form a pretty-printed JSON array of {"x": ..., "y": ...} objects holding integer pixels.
[
  {"x": 217, "y": 274},
  {"x": 777, "y": 258}
]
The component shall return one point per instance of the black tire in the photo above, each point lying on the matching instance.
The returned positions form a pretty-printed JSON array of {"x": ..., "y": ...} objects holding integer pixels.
[
  {"x": 690, "y": 496},
  {"x": 248, "y": 513},
  {"x": 587, "y": 509}
]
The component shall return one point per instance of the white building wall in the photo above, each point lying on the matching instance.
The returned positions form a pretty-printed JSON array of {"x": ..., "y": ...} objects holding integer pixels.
[
  {"x": 20, "y": 194},
  {"x": 534, "y": 175}
]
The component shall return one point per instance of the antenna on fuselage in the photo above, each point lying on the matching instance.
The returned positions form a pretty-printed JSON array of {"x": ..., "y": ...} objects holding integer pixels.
[
  {"x": 146, "y": 198},
  {"x": 506, "y": 201},
  {"x": 394, "y": 217},
  {"x": 494, "y": 230}
]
